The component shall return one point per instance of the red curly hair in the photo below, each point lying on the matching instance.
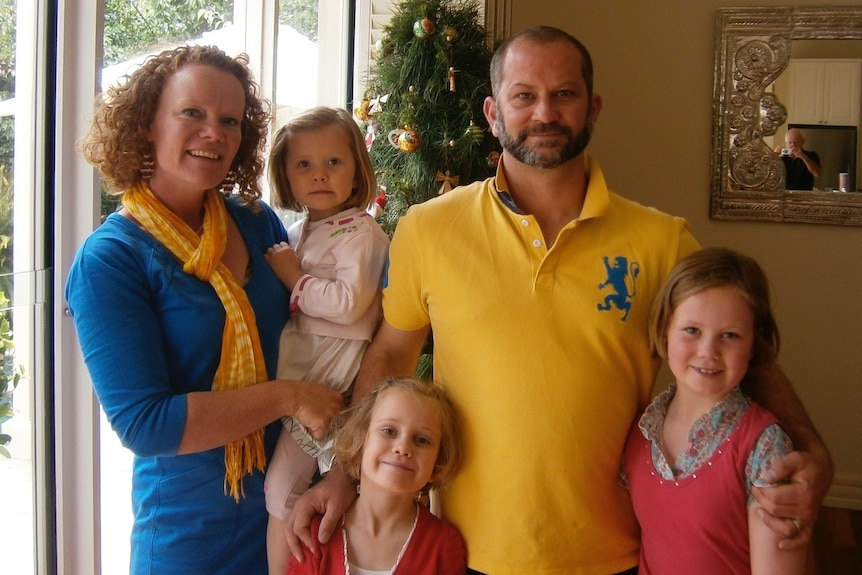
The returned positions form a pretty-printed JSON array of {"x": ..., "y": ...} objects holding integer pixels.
[{"x": 117, "y": 140}]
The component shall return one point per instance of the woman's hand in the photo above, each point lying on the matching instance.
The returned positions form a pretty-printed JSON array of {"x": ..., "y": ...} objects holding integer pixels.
[
  {"x": 215, "y": 418},
  {"x": 314, "y": 407}
]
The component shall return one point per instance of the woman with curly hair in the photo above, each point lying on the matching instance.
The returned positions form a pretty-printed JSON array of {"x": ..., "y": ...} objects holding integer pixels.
[{"x": 178, "y": 314}]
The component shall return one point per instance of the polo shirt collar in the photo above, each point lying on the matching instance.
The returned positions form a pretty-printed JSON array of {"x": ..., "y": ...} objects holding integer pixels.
[{"x": 595, "y": 204}]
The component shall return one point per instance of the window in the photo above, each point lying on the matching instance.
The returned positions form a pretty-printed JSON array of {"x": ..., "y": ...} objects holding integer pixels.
[{"x": 24, "y": 279}]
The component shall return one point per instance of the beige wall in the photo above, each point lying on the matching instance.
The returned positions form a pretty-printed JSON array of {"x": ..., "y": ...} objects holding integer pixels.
[{"x": 654, "y": 68}]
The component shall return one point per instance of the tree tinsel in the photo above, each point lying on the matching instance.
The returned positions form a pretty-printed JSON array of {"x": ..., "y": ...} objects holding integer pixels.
[{"x": 430, "y": 76}]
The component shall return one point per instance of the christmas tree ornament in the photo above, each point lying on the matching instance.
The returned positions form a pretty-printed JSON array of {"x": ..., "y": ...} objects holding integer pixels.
[
  {"x": 362, "y": 109},
  {"x": 408, "y": 141},
  {"x": 370, "y": 135},
  {"x": 424, "y": 28},
  {"x": 448, "y": 180},
  {"x": 376, "y": 104},
  {"x": 474, "y": 134},
  {"x": 382, "y": 48},
  {"x": 380, "y": 200},
  {"x": 450, "y": 33},
  {"x": 450, "y": 78},
  {"x": 393, "y": 137},
  {"x": 378, "y": 204},
  {"x": 493, "y": 159},
  {"x": 452, "y": 143}
]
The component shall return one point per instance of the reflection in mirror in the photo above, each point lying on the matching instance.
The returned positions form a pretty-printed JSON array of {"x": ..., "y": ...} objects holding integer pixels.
[
  {"x": 821, "y": 87},
  {"x": 782, "y": 67},
  {"x": 832, "y": 148}
]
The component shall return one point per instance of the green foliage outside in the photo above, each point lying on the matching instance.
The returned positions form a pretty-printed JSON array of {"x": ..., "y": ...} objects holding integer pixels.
[
  {"x": 6, "y": 235},
  {"x": 7, "y": 137},
  {"x": 143, "y": 26},
  {"x": 135, "y": 28},
  {"x": 413, "y": 71},
  {"x": 301, "y": 15},
  {"x": 7, "y": 81},
  {"x": 7, "y": 48},
  {"x": 10, "y": 372}
]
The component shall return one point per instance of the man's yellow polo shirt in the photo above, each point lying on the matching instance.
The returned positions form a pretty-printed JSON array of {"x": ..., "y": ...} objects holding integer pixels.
[{"x": 546, "y": 354}]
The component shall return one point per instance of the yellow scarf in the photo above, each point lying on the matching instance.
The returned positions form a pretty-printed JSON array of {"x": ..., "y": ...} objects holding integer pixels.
[{"x": 241, "y": 362}]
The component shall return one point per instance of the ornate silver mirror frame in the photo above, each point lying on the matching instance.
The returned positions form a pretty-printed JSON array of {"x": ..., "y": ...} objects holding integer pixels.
[{"x": 752, "y": 49}]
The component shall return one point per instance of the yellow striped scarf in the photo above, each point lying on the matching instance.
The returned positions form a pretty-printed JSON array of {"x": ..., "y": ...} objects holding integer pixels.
[{"x": 241, "y": 362}]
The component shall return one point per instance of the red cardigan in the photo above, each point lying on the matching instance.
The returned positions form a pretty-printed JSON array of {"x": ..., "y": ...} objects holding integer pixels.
[{"x": 436, "y": 548}]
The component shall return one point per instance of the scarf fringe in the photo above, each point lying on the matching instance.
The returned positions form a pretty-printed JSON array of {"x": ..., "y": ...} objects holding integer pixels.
[{"x": 242, "y": 457}]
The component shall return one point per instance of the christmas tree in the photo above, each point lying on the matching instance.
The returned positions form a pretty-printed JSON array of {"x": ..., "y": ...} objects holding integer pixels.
[{"x": 423, "y": 105}]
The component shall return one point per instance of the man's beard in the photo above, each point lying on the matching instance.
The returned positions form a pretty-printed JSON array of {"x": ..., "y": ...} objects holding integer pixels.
[{"x": 575, "y": 143}]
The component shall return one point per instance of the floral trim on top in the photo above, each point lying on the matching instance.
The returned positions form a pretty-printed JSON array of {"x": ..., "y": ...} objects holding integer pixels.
[{"x": 707, "y": 433}]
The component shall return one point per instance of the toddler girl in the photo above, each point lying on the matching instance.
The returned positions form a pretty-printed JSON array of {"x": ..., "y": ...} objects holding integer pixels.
[{"x": 333, "y": 266}]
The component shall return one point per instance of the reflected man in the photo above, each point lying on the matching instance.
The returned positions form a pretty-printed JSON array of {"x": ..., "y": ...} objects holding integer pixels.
[{"x": 800, "y": 165}]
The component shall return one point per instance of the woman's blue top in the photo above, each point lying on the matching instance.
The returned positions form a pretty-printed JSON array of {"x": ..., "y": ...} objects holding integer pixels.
[{"x": 151, "y": 333}]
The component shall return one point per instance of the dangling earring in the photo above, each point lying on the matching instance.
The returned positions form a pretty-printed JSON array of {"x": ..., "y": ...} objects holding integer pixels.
[
  {"x": 424, "y": 497},
  {"x": 148, "y": 166},
  {"x": 229, "y": 183}
]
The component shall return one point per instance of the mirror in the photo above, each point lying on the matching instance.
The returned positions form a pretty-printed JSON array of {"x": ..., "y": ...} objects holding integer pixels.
[{"x": 754, "y": 47}]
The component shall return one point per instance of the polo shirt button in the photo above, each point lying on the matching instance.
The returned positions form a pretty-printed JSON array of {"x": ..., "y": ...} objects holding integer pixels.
[
  {"x": 537, "y": 243},
  {"x": 525, "y": 223}
]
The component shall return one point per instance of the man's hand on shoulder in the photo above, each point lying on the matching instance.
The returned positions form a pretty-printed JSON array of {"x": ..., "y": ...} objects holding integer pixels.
[
  {"x": 790, "y": 509},
  {"x": 330, "y": 498}
]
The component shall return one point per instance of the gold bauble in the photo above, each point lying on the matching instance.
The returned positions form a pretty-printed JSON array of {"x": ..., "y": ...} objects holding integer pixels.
[
  {"x": 424, "y": 28},
  {"x": 474, "y": 133},
  {"x": 362, "y": 108},
  {"x": 408, "y": 141}
]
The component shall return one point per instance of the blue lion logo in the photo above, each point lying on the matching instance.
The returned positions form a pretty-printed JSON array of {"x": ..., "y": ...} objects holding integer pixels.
[{"x": 617, "y": 273}]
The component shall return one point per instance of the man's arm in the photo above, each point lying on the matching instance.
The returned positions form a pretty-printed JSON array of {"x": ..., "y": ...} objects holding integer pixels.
[
  {"x": 811, "y": 164},
  {"x": 392, "y": 352},
  {"x": 809, "y": 467}
]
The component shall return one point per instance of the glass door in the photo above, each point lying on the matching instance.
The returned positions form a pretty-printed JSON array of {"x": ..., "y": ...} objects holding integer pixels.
[{"x": 25, "y": 457}]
